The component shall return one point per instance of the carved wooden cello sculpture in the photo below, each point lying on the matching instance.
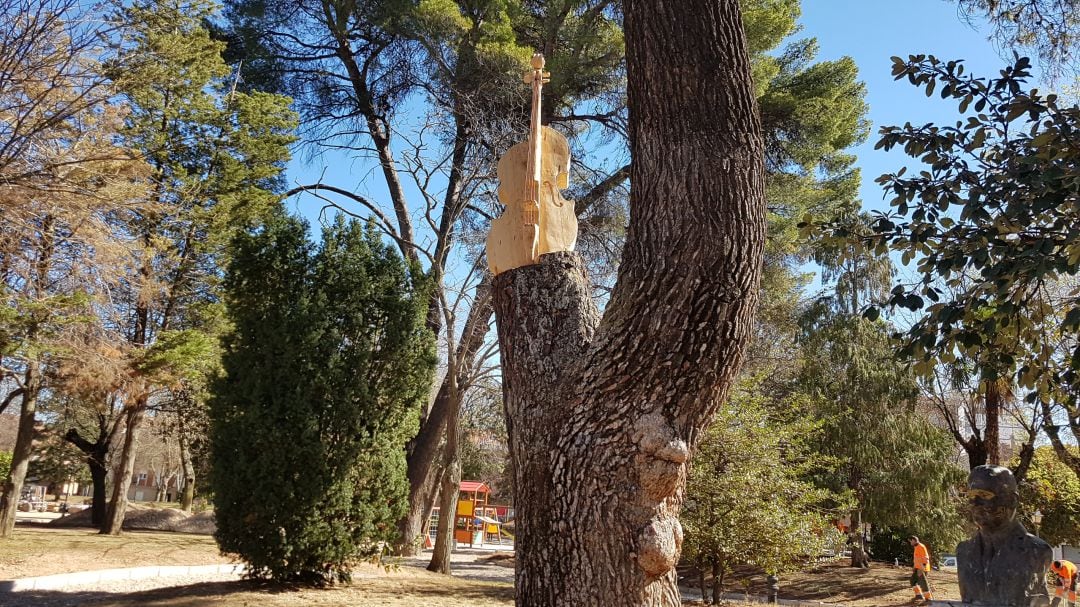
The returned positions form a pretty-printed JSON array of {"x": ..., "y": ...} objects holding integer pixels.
[{"x": 537, "y": 218}]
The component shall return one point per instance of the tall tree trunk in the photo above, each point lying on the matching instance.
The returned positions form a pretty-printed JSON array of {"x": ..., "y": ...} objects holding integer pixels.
[
  {"x": 117, "y": 510},
  {"x": 32, "y": 384},
  {"x": 187, "y": 494},
  {"x": 601, "y": 425},
  {"x": 993, "y": 397},
  {"x": 97, "y": 459},
  {"x": 114, "y": 517},
  {"x": 448, "y": 497},
  {"x": 717, "y": 583},
  {"x": 423, "y": 449},
  {"x": 423, "y": 484},
  {"x": 98, "y": 474},
  {"x": 20, "y": 458},
  {"x": 444, "y": 538}
]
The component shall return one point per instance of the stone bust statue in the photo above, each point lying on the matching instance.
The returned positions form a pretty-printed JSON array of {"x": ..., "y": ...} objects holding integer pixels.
[{"x": 1002, "y": 565}]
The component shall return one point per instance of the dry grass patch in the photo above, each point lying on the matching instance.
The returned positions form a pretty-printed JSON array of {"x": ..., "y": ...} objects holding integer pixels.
[
  {"x": 35, "y": 551},
  {"x": 149, "y": 517}
]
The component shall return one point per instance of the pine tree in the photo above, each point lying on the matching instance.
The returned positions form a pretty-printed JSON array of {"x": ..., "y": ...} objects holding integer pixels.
[
  {"x": 216, "y": 158},
  {"x": 65, "y": 177},
  {"x": 325, "y": 372},
  {"x": 894, "y": 461}
]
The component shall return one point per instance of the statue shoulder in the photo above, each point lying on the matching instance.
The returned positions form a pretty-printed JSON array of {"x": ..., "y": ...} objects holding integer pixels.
[
  {"x": 1029, "y": 540},
  {"x": 965, "y": 547},
  {"x": 1040, "y": 546}
]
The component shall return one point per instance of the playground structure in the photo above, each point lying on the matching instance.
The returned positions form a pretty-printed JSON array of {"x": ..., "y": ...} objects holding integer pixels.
[{"x": 476, "y": 521}]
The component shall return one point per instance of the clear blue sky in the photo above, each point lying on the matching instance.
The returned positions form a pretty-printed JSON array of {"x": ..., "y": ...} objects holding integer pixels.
[
  {"x": 869, "y": 31},
  {"x": 872, "y": 31}
]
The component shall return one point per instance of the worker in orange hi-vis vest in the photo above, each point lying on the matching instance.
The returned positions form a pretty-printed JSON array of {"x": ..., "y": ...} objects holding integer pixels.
[
  {"x": 919, "y": 567},
  {"x": 1065, "y": 582}
]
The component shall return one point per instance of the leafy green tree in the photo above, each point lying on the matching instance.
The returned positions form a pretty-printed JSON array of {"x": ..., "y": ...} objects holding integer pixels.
[
  {"x": 811, "y": 112},
  {"x": 348, "y": 74},
  {"x": 747, "y": 499},
  {"x": 350, "y": 66},
  {"x": 986, "y": 225},
  {"x": 5, "y": 462},
  {"x": 325, "y": 372},
  {"x": 66, "y": 176},
  {"x": 1053, "y": 489},
  {"x": 894, "y": 461}
]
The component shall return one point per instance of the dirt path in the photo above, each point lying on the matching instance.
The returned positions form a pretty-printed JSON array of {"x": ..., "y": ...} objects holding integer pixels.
[
  {"x": 481, "y": 577},
  {"x": 472, "y": 564},
  {"x": 39, "y": 550},
  {"x": 477, "y": 584}
]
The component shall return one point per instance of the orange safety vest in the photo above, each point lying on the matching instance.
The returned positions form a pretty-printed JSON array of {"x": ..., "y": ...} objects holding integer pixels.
[
  {"x": 922, "y": 557},
  {"x": 1067, "y": 571}
]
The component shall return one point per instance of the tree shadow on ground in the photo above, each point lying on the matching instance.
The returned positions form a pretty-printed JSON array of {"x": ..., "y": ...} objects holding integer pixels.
[
  {"x": 192, "y": 595},
  {"x": 175, "y": 596}
]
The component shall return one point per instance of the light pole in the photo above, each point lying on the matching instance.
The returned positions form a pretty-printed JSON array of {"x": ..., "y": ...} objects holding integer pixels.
[{"x": 1036, "y": 518}]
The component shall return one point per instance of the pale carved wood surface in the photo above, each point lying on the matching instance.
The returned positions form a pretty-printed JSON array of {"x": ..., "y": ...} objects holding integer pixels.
[{"x": 557, "y": 229}]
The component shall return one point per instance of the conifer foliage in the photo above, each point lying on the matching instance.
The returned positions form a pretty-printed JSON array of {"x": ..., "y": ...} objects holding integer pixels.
[{"x": 326, "y": 368}]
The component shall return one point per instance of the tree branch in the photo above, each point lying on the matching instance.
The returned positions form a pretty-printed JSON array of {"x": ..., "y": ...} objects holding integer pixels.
[
  {"x": 583, "y": 204},
  {"x": 404, "y": 245},
  {"x": 11, "y": 397}
]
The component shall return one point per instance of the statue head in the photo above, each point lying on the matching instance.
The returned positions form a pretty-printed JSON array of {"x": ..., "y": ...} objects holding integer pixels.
[{"x": 993, "y": 497}]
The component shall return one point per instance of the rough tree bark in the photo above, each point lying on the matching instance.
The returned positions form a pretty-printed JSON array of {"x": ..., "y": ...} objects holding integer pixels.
[
  {"x": 602, "y": 415},
  {"x": 97, "y": 458},
  {"x": 24, "y": 443},
  {"x": 114, "y": 515},
  {"x": 424, "y": 467}
]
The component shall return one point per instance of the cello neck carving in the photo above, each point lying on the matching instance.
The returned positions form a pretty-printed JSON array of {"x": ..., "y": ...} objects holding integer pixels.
[{"x": 534, "y": 166}]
